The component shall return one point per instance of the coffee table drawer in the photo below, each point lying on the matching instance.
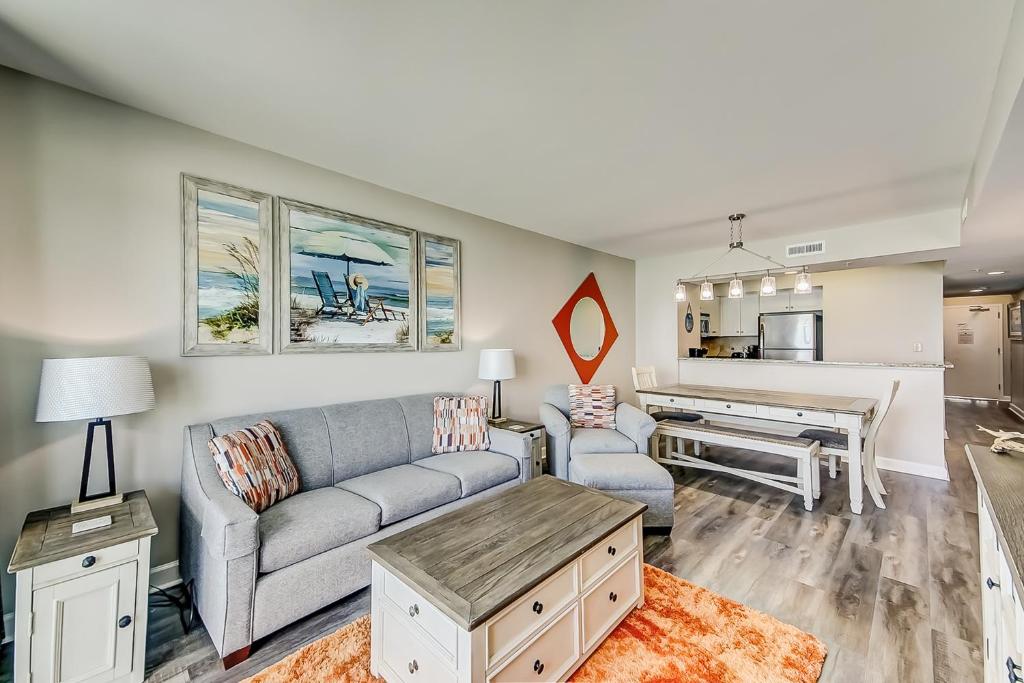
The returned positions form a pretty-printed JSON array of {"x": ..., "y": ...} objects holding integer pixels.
[
  {"x": 549, "y": 656},
  {"x": 669, "y": 401},
  {"x": 815, "y": 417},
  {"x": 422, "y": 615},
  {"x": 510, "y": 629},
  {"x": 610, "y": 599},
  {"x": 728, "y": 407},
  {"x": 408, "y": 654},
  {"x": 609, "y": 551}
]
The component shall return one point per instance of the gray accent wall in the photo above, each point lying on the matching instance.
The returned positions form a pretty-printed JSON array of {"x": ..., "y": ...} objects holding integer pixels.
[{"x": 90, "y": 264}]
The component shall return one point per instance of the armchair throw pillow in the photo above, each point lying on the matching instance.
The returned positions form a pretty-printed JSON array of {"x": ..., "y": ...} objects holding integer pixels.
[
  {"x": 592, "y": 405},
  {"x": 255, "y": 466},
  {"x": 460, "y": 424}
]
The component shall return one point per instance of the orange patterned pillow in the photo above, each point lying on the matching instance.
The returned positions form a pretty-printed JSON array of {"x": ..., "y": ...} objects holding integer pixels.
[
  {"x": 254, "y": 465},
  {"x": 592, "y": 405},
  {"x": 460, "y": 424}
]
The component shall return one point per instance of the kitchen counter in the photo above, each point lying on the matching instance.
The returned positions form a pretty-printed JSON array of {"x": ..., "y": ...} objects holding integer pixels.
[
  {"x": 1001, "y": 481},
  {"x": 724, "y": 359}
]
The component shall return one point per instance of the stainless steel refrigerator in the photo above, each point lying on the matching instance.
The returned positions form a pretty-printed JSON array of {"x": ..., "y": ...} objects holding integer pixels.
[{"x": 790, "y": 336}]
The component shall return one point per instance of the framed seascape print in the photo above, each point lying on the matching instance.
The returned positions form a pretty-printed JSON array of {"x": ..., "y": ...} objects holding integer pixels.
[
  {"x": 228, "y": 269},
  {"x": 346, "y": 282},
  {"x": 440, "y": 294}
]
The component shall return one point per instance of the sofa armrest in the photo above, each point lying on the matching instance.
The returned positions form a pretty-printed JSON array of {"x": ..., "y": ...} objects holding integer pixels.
[
  {"x": 636, "y": 424},
  {"x": 516, "y": 445},
  {"x": 559, "y": 433}
]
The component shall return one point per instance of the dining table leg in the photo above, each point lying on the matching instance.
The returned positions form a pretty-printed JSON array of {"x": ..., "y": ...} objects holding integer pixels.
[{"x": 855, "y": 471}]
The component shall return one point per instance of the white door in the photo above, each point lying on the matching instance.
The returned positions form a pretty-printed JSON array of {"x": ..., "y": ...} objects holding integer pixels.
[
  {"x": 973, "y": 341},
  {"x": 83, "y": 627}
]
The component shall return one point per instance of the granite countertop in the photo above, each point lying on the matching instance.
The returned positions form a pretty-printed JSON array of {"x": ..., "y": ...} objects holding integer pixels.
[
  {"x": 821, "y": 362},
  {"x": 1001, "y": 480}
]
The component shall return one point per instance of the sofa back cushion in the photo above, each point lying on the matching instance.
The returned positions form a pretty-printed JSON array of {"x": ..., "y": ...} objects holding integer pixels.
[
  {"x": 558, "y": 396},
  {"x": 367, "y": 436},
  {"x": 419, "y": 417},
  {"x": 304, "y": 433}
]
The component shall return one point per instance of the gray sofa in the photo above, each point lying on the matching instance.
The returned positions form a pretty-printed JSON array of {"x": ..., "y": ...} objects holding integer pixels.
[
  {"x": 366, "y": 471},
  {"x": 612, "y": 460}
]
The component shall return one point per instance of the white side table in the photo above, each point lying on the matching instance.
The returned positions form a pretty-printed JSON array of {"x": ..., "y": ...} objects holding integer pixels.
[
  {"x": 538, "y": 442},
  {"x": 81, "y": 607}
]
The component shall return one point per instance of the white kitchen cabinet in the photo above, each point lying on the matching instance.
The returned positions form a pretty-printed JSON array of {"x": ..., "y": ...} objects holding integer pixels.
[
  {"x": 1001, "y": 612},
  {"x": 714, "y": 310},
  {"x": 749, "y": 310},
  {"x": 806, "y": 302},
  {"x": 776, "y": 304},
  {"x": 739, "y": 316},
  {"x": 730, "y": 325}
]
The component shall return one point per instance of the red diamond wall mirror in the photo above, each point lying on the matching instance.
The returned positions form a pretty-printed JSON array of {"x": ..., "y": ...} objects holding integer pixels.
[{"x": 586, "y": 328}]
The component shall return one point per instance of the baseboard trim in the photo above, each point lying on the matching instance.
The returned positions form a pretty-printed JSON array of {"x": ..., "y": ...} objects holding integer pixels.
[
  {"x": 915, "y": 468},
  {"x": 162, "y": 576},
  {"x": 1017, "y": 411}
]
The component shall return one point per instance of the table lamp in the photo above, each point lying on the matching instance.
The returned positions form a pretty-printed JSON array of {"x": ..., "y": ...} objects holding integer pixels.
[
  {"x": 496, "y": 365},
  {"x": 94, "y": 389}
]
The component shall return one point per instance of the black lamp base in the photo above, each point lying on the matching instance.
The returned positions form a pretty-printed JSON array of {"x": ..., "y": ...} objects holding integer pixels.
[
  {"x": 86, "y": 501},
  {"x": 496, "y": 417}
]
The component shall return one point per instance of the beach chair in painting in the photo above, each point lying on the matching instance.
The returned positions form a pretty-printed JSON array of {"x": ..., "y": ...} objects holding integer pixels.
[
  {"x": 372, "y": 302},
  {"x": 334, "y": 305}
]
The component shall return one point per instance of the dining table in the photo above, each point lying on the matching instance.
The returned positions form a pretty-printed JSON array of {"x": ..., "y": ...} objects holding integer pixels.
[{"x": 850, "y": 414}]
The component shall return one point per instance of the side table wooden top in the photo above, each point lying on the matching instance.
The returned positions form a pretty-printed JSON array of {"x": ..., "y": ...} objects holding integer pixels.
[
  {"x": 46, "y": 535},
  {"x": 474, "y": 561}
]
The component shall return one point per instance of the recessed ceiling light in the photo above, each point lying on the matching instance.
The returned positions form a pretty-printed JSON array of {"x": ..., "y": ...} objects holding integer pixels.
[{"x": 997, "y": 272}]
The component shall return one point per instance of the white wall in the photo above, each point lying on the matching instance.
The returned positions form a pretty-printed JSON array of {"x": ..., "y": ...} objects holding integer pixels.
[{"x": 91, "y": 265}]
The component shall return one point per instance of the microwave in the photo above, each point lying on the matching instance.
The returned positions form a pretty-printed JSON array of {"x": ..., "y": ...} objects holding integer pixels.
[{"x": 1015, "y": 319}]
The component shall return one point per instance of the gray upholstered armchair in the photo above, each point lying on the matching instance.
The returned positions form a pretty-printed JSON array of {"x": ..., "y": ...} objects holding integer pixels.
[{"x": 612, "y": 460}]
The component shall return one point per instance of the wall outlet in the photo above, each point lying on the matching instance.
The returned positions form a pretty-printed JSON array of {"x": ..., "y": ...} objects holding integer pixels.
[{"x": 918, "y": 347}]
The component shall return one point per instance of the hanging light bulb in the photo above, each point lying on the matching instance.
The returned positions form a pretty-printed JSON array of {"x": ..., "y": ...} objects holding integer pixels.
[
  {"x": 707, "y": 291},
  {"x": 735, "y": 287},
  {"x": 768, "y": 284},
  {"x": 803, "y": 282},
  {"x": 680, "y": 290}
]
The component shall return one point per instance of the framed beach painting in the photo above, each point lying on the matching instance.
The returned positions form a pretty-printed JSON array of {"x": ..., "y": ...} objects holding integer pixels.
[
  {"x": 440, "y": 294},
  {"x": 228, "y": 269},
  {"x": 346, "y": 282}
]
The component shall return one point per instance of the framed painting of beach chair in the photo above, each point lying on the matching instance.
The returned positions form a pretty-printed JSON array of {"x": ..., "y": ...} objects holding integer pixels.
[
  {"x": 345, "y": 282},
  {"x": 228, "y": 269},
  {"x": 440, "y": 294}
]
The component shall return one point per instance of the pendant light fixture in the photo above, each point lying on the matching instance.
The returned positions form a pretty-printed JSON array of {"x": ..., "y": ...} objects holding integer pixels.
[
  {"x": 680, "y": 290},
  {"x": 735, "y": 287},
  {"x": 803, "y": 282},
  {"x": 707, "y": 291},
  {"x": 768, "y": 284}
]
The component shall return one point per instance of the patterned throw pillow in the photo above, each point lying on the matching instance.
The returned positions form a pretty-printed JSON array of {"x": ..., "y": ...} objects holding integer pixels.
[
  {"x": 460, "y": 424},
  {"x": 254, "y": 465},
  {"x": 592, "y": 405}
]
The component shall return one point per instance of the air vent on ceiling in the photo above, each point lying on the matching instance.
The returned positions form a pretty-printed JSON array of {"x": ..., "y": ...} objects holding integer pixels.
[{"x": 805, "y": 249}]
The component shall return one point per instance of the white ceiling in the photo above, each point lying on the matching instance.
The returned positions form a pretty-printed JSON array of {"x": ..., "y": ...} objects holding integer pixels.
[{"x": 631, "y": 127}]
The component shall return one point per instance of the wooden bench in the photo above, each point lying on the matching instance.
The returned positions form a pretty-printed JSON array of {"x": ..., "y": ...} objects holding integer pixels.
[{"x": 806, "y": 483}]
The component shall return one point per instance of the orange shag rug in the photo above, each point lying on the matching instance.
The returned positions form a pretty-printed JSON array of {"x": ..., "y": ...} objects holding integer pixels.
[{"x": 682, "y": 633}]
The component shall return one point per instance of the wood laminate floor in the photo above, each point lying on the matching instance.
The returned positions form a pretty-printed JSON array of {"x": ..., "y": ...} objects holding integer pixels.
[{"x": 893, "y": 593}]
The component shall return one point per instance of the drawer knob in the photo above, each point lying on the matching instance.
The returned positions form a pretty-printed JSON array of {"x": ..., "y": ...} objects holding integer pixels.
[
  {"x": 671, "y": 400},
  {"x": 799, "y": 414},
  {"x": 728, "y": 405},
  {"x": 613, "y": 596},
  {"x": 991, "y": 584},
  {"x": 414, "y": 609},
  {"x": 611, "y": 550},
  {"x": 538, "y": 666},
  {"x": 538, "y": 607},
  {"x": 414, "y": 666},
  {"x": 124, "y": 622},
  {"x": 88, "y": 561}
]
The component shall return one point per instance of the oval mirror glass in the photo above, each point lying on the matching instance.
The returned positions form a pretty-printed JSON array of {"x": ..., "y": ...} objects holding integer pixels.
[{"x": 586, "y": 328}]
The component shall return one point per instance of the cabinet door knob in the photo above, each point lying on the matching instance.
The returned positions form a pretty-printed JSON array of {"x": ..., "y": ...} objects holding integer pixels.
[
  {"x": 538, "y": 666},
  {"x": 88, "y": 561},
  {"x": 612, "y": 596},
  {"x": 991, "y": 584},
  {"x": 414, "y": 609},
  {"x": 124, "y": 622},
  {"x": 414, "y": 666},
  {"x": 611, "y": 550},
  {"x": 538, "y": 607}
]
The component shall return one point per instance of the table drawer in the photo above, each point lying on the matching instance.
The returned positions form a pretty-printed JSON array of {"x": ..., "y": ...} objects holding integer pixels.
[
  {"x": 549, "y": 656},
  {"x": 420, "y": 614},
  {"x": 408, "y": 654},
  {"x": 670, "y": 401},
  {"x": 609, "y": 551},
  {"x": 728, "y": 407},
  {"x": 85, "y": 563},
  {"x": 814, "y": 417},
  {"x": 509, "y": 630},
  {"x": 610, "y": 600}
]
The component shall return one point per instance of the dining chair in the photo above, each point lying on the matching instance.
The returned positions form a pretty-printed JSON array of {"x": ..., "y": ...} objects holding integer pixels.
[
  {"x": 645, "y": 377},
  {"x": 835, "y": 445}
]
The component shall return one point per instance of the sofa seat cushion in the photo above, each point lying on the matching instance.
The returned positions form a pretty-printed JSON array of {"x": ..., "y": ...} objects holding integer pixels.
[
  {"x": 404, "y": 490},
  {"x": 592, "y": 440},
  {"x": 313, "y": 522},
  {"x": 619, "y": 472},
  {"x": 475, "y": 470}
]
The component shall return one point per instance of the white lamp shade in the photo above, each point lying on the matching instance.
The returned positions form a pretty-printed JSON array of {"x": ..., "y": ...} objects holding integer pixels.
[
  {"x": 497, "y": 364},
  {"x": 89, "y": 388}
]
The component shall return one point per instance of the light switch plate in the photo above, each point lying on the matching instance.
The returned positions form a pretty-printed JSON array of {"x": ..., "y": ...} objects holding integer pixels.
[{"x": 90, "y": 524}]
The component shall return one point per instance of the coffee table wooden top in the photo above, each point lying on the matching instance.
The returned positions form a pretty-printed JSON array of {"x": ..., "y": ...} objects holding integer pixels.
[{"x": 473, "y": 562}]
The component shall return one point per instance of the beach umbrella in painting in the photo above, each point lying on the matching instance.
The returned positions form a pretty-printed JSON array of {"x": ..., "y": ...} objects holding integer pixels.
[{"x": 344, "y": 246}]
